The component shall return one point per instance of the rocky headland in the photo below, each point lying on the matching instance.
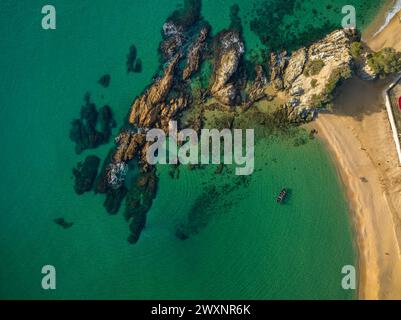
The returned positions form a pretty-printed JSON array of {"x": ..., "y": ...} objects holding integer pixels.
[{"x": 298, "y": 84}]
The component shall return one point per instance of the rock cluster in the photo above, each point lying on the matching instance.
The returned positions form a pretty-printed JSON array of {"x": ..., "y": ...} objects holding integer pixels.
[
  {"x": 306, "y": 92},
  {"x": 151, "y": 110},
  {"x": 115, "y": 192},
  {"x": 84, "y": 130}
]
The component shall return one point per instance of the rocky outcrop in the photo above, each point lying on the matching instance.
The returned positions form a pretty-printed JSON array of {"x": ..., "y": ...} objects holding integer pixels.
[
  {"x": 195, "y": 54},
  {"x": 151, "y": 110},
  {"x": 365, "y": 72},
  {"x": 145, "y": 111},
  {"x": 85, "y": 174},
  {"x": 129, "y": 142},
  {"x": 278, "y": 62},
  {"x": 173, "y": 40},
  {"x": 257, "y": 89},
  {"x": 230, "y": 49},
  {"x": 295, "y": 67},
  {"x": 308, "y": 92}
]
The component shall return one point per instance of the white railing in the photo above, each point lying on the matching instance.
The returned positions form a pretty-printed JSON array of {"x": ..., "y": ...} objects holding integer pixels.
[{"x": 396, "y": 136}]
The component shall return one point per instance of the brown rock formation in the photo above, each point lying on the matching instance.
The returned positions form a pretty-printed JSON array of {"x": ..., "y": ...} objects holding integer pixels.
[
  {"x": 144, "y": 111},
  {"x": 295, "y": 67},
  {"x": 278, "y": 62},
  {"x": 230, "y": 48},
  {"x": 195, "y": 54},
  {"x": 257, "y": 89}
]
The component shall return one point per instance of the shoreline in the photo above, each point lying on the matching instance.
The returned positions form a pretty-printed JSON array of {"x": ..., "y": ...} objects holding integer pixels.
[
  {"x": 359, "y": 140},
  {"x": 384, "y": 30},
  {"x": 370, "y": 195},
  {"x": 383, "y": 18}
]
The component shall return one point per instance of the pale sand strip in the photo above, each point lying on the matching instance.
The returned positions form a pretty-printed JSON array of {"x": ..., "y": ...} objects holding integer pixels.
[
  {"x": 361, "y": 145},
  {"x": 359, "y": 137}
]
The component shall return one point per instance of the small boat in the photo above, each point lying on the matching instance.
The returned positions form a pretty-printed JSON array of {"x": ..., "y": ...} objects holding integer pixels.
[{"x": 282, "y": 195}]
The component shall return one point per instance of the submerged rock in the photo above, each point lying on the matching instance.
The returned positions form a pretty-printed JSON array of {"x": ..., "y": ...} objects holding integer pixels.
[
  {"x": 101, "y": 183},
  {"x": 188, "y": 15},
  {"x": 85, "y": 174},
  {"x": 104, "y": 81},
  {"x": 84, "y": 130},
  {"x": 131, "y": 58},
  {"x": 63, "y": 223},
  {"x": 138, "y": 202},
  {"x": 114, "y": 198},
  {"x": 138, "y": 66}
]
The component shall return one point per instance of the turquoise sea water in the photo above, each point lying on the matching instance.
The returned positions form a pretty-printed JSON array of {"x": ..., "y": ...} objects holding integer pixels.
[{"x": 249, "y": 247}]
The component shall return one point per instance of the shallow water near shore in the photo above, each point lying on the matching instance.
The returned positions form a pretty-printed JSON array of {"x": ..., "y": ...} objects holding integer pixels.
[{"x": 247, "y": 247}]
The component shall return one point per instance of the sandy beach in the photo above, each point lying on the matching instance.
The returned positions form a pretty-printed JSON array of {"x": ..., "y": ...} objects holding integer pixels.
[
  {"x": 389, "y": 37},
  {"x": 359, "y": 138}
]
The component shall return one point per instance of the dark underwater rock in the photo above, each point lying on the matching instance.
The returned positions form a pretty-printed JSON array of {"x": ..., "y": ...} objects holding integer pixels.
[
  {"x": 188, "y": 15},
  {"x": 136, "y": 226},
  {"x": 180, "y": 234},
  {"x": 83, "y": 131},
  {"x": 114, "y": 197},
  {"x": 63, "y": 223},
  {"x": 138, "y": 202},
  {"x": 85, "y": 174},
  {"x": 101, "y": 183},
  {"x": 138, "y": 66},
  {"x": 107, "y": 122},
  {"x": 134, "y": 64},
  {"x": 104, "y": 81}
]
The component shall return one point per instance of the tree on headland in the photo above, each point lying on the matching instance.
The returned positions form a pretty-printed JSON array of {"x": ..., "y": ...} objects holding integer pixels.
[{"x": 385, "y": 62}]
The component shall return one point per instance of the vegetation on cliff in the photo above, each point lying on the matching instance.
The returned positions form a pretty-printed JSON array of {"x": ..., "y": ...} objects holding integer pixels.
[
  {"x": 385, "y": 62},
  {"x": 313, "y": 67}
]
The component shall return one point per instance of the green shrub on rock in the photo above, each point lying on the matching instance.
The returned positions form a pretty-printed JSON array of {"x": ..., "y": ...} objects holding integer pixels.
[
  {"x": 385, "y": 62},
  {"x": 313, "y": 67},
  {"x": 356, "y": 49}
]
